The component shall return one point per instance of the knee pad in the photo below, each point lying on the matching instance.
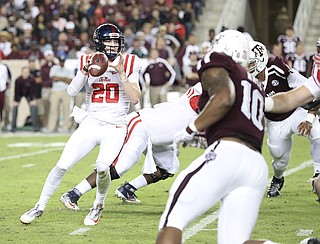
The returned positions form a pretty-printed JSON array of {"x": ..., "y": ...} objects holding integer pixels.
[{"x": 102, "y": 166}]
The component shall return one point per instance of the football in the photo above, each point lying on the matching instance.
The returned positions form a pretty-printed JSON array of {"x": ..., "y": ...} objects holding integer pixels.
[{"x": 98, "y": 64}]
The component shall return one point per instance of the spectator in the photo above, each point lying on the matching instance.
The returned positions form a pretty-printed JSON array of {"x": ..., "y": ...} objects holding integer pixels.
[
  {"x": 161, "y": 77},
  {"x": 51, "y": 33},
  {"x": 212, "y": 35},
  {"x": 135, "y": 19},
  {"x": 173, "y": 39},
  {"x": 98, "y": 17},
  {"x": 149, "y": 37},
  {"x": 5, "y": 44},
  {"x": 46, "y": 87},
  {"x": 40, "y": 26},
  {"x": 3, "y": 20},
  {"x": 12, "y": 27},
  {"x": 138, "y": 49},
  {"x": 26, "y": 36},
  {"x": 62, "y": 47},
  {"x": 129, "y": 36},
  {"x": 276, "y": 51},
  {"x": 25, "y": 87},
  {"x": 190, "y": 70},
  {"x": 16, "y": 53},
  {"x": 205, "y": 46},
  {"x": 35, "y": 51},
  {"x": 190, "y": 46},
  {"x": 71, "y": 34},
  {"x": 61, "y": 78},
  {"x": 188, "y": 18}
]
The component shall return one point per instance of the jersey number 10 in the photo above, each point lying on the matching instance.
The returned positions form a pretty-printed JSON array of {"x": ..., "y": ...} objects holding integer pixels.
[{"x": 252, "y": 104}]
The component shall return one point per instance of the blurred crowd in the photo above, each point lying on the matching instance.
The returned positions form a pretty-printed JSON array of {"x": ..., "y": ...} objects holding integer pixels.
[
  {"x": 48, "y": 32},
  {"x": 161, "y": 32},
  {"x": 30, "y": 27}
]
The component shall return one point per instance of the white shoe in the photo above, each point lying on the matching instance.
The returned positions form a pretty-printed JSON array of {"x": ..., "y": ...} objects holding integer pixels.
[
  {"x": 31, "y": 215},
  {"x": 94, "y": 215},
  {"x": 68, "y": 202}
]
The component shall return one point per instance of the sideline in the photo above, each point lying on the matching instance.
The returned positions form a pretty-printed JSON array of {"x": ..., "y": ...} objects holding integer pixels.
[{"x": 193, "y": 230}]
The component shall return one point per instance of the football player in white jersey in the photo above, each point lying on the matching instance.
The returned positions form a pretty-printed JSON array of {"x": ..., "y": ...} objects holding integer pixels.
[
  {"x": 150, "y": 130},
  {"x": 104, "y": 124},
  {"x": 276, "y": 76}
]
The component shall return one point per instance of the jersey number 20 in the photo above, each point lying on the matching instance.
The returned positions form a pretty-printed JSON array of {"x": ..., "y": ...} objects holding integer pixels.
[{"x": 108, "y": 93}]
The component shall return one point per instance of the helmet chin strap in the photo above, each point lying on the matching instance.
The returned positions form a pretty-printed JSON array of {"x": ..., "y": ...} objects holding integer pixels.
[{"x": 266, "y": 73}]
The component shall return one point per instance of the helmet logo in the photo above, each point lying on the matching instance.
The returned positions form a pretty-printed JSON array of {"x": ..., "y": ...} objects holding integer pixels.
[{"x": 258, "y": 50}]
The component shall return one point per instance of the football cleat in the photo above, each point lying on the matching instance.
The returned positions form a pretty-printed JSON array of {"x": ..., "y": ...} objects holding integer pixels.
[
  {"x": 70, "y": 200},
  {"x": 126, "y": 193},
  {"x": 31, "y": 215},
  {"x": 94, "y": 215},
  {"x": 313, "y": 180},
  {"x": 275, "y": 187}
]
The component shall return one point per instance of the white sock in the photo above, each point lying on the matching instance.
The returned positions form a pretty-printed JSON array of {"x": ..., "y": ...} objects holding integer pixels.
[
  {"x": 52, "y": 183},
  {"x": 103, "y": 184},
  {"x": 139, "y": 182},
  {"x": 84, "y": 186}
]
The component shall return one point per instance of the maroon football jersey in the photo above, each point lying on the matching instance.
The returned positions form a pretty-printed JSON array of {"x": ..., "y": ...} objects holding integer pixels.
[
  {"x": 278, "y": 72},
  {"x": 245, "y": 119}
]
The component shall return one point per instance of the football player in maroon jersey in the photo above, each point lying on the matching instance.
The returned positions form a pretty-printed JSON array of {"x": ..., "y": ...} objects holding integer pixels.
[
  {"x": 276, "y": 76},
  {"x": 232, "y": 169}
]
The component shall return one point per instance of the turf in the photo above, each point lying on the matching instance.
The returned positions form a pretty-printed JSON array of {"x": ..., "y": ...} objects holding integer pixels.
[{"x": 24, "y": 167}]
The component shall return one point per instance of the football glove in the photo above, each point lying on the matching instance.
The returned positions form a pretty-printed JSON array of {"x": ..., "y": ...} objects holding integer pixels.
[{"x": 186, "y": 135}]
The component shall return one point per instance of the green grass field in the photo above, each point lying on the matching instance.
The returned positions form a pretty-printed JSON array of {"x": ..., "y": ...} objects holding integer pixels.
[{"x": 26, "y": 160}]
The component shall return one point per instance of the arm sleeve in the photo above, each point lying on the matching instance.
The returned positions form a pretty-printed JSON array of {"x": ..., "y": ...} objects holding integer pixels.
[
  {"x": 76, "y": 84},
  {"x": 313, "y": 86}
]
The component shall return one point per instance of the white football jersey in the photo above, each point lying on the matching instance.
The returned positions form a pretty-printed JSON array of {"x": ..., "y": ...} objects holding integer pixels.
[
  {"x": 106, "y": 99},
  {"x": 165, "y": 119}
]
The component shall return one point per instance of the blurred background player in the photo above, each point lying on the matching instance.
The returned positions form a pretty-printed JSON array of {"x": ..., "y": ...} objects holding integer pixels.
[
  {"x": 104, "y": 122},
  {"x": 61, "y": 76},
  {"x": 25, "y": 87},
  {"x": 310, "y": 90},
  {"x": 5, "y": 82},
  {"x": 276, "y": 77}
]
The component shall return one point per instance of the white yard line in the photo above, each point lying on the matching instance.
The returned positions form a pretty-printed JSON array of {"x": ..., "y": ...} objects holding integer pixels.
[
  {"x": 29, "y": 154},
  {"x": 80, "y": 231},
  {"x": 193, "y": 230}
]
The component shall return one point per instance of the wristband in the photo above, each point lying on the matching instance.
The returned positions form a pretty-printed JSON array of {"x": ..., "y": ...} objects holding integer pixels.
[
  {"x": 310, "y": 118},
  {"x": 193, "y": 128},
  {"x": 268, "y": 104}
]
